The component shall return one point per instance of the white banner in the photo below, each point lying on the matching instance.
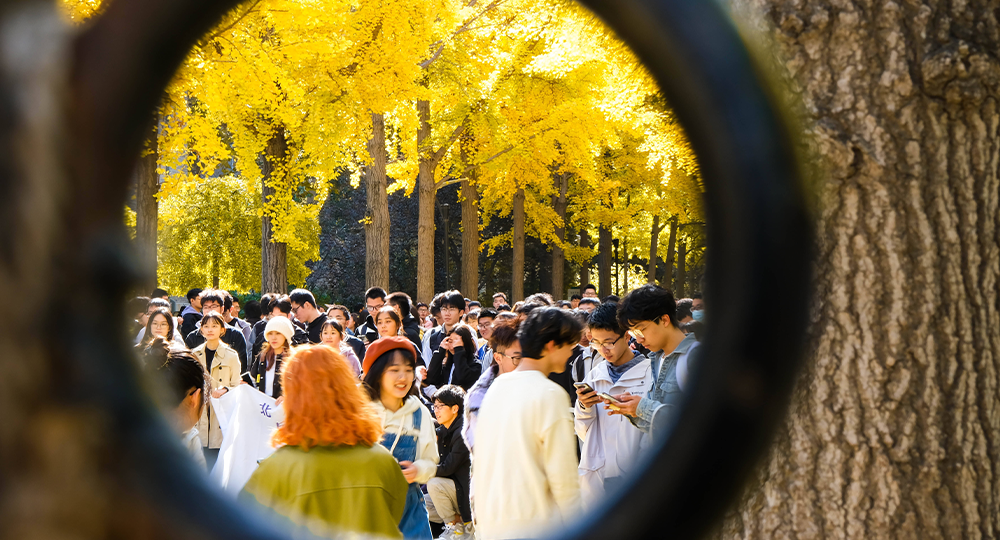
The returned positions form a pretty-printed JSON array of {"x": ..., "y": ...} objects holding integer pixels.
[{"x": 247, "y": 418}]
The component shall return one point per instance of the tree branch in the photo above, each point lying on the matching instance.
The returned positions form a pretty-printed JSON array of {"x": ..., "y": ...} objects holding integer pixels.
[
  {"x": 234, "y": 23},
  {"x": 439, "y": 155},
  {"x": 465, "y": 27}
]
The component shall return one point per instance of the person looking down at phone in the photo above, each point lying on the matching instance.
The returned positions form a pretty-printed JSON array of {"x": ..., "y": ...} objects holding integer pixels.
[
  {"x": 525, "y": 478},
  {"x": 649, "y": 313},
  {"x": 610, "y": 443}
]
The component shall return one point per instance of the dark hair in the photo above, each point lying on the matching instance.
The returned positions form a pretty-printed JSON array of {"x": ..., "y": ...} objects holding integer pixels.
[
  {"x": 342, "y": 309},
  {"x": 468, "y": 342},
  {"x": 501, "y": 295},
  {"x": 474, "y": 304},
  {"x": 373, "y": 378},
  {"x": 450, "y": 395},
  {"x": 302, "y": 297},
  {"x": 148, "y": 336},
  {"x": 605, "y": 317},
  {"x": 227, "y": 299},
  {"x": 488, "y": 313},
  {"x": 178, "y": 370},
  {"x": 544, "y": 325},
  {"x": 575, "y": 297},
  {"x": 357, "y": 318},
  {"x": 503, "y": 307},
  {"x": 589, "y": 286},
  {"x": 453, "y": 299},
  {"x": 504, "y": 334},
  {"x": 212, "y": 295},
  {"x": 506, "y": 316},
  {"x": 435, "y": 306},
  {"x": 594, "y": 301},
  {"x": 158, "y": 292},
  {"x": 401, "y": 300},
  {"x": 697, "y": 296},
  {"x": 252, "y": 310},
  {"x": 159, "y": 303},
  {"x": 193, "y": 293},
  {"x": 214, "y": 317},
  {"x": 283, "y": 304},
  {"x": 375, "y": 292},
  {"x": 539, "y": 298},
  {"x": 564, "y": 304},
  {"x": 421, "y": 304},
  {"x": 472, "y": 315},
  {"x": 392, "y": 315},
  {"x": 332, "y": 323},
  {"x": 683, "y": 308},
  {"x": 694, "y": 327},
  {"x": 581, "y": 315},
  {"x": 267, "y": 303},
  {"x": 611, "y": 298},
  {"x": 139, "y": 304},
  {"x": 647, "y": 303}
]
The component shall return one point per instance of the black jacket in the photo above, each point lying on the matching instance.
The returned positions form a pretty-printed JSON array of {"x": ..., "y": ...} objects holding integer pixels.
[
  {"x": 565, "y": 379},
  {"x": 455, "y": 464},
  {"x": 367, "y": 330},
  {"x": 233, "y": 337},
  {"x": 189, "y": 321},
  {"x": 315, "y": 328},
  {"x": 258, "y": 372},
  {"x": 357, "y": 345},
  {"x": 411, "y": 327},
  {"x": 466, "y": 373}
]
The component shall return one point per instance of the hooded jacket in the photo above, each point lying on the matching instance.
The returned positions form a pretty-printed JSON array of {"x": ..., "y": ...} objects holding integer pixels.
[
  {"x": 401, "y": 422},
  {"x": 455, "y": 464}
]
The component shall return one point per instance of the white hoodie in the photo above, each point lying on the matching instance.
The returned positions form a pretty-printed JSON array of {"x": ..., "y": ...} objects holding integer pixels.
[{"x": 401, "y": 421}]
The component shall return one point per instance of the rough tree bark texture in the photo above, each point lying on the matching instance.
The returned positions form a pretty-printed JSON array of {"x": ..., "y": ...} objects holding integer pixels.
[
  {"x": 426, "y": 195},
  {"x": 894, "y": 429},
  {"x": 274, "y": 255},
  {"x": 470, "y": 239},
  {"x": 668, "y": 277},
  {"x": 147, "y": 207},
  {"x": 680, "y": 284},
  {"x": 604, "y": 247},
  {"x": 517, "y": 264},
  {"x": 559, "y": 203},
  {"x": 654, "y": 236},
  {"x": 584, "y": 268},
  {"x": 377, "y": 222}
]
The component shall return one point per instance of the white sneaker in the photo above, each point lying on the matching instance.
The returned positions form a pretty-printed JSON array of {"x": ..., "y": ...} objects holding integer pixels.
[{"x": 453, "y": 532}]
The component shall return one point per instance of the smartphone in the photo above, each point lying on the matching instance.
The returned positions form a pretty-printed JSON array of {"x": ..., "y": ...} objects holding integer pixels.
[
  {"x": 583, "y": 386},
  {"x": 610, "y": 398}
]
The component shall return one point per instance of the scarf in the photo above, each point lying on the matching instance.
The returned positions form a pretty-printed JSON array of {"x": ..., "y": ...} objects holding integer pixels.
[{"x": 616, "y": 372}]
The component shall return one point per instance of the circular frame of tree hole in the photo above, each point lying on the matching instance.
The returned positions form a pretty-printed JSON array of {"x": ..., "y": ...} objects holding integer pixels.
[{"x": 758, "y": 280}]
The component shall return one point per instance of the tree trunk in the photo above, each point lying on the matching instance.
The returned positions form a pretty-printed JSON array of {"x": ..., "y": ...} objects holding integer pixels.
[
  {"x": 377, "y": 218},
  {"x": 274, "y": 265},
  {"x": 559, "y": 202},
  {"x": 679, "y": 285},
  {"x": 894, "y": 428},
  {"x": 517, "y": 264},
  {"x": 470, "y": 239},
  {"x": 585, "y": 267},
  {"x": 668, "y": 277},
  {"x": 147, "y": 207},
  {"x": 426, "y": 196},
  {"x": 604, "y": 261},
  {"x": 653, "y": 245}
]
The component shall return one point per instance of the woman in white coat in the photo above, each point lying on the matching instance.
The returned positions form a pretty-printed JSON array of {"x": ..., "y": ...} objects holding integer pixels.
[{"x": 611, "y": 444}]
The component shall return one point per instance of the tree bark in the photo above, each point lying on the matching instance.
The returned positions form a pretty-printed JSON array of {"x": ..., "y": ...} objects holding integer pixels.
[
  {"x": 604, "y": 261},
  {"x": 585, "y": 267},
  {"x": 653, "y": 244},
  {"x": 274, "y": 261},
  {"x": 680, "y": 285},
  {"x": 668, "y": 278},
  {"x": 426, "y": 196},
  {"x": 377, "y": 218},
  {"x": 517, "y": 264},
  {"x": 894, "y": 428},
  {"x": 147, "y": 207},
  {"x": 470, "y": 239},
  {"x": 559, "y": 202}
]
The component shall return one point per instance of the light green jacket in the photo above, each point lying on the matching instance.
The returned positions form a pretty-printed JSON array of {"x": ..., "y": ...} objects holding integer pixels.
[{"x": 331, "y": 489}]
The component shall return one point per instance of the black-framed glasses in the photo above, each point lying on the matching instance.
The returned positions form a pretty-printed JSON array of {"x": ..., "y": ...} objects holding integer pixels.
[{"x": 606, "y": 344}]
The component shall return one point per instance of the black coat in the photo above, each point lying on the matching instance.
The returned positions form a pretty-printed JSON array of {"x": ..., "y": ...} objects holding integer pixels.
[
  {"x": 233, "y": 337},
  {"x": 455, "y": 464},
  {"x": 367, "y": 330},
  {"x": 467, "y": 369},
  {"x": 315, "y": 328},
  {"x": 357, "y": 345},
  {"x": 411, "y": 327},
  {"x": 258, "y": 372},
  {"x": 565, "y": 379}
]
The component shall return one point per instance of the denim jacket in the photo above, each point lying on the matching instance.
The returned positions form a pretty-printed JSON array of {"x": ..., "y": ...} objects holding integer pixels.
[{"x": 665, "y": 390}]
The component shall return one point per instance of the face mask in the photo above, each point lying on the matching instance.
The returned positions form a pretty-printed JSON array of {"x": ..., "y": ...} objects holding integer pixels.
[{"x": 698, "y": 315}]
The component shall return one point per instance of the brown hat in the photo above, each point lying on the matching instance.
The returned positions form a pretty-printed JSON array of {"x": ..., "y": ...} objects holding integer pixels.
[{"x": 383, "y": 345}]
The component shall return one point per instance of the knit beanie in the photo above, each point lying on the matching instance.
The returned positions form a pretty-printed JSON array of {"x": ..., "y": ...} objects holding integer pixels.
[
  {"x": 281, "y": 325},
  {"x": 383, "y": 345}
]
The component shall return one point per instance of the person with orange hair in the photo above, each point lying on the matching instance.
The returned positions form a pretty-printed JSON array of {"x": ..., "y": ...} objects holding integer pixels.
[{"x": 329, "y": 474}]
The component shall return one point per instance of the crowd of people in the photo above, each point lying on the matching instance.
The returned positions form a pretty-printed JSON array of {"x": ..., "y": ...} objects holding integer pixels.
[{"x": 444, "y": 420}]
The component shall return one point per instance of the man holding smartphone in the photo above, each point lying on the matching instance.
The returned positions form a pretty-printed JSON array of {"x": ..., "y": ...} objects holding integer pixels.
[
  {"x": 649, "y": 313},
  {"x": 610, "y": 443}
]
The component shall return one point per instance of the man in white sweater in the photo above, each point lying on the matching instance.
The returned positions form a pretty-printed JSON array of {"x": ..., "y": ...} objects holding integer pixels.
[{"x": 524, "y": 475}]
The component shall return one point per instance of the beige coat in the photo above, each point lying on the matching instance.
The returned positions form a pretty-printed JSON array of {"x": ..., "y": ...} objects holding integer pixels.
[{"x": 225, "y": 372}]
